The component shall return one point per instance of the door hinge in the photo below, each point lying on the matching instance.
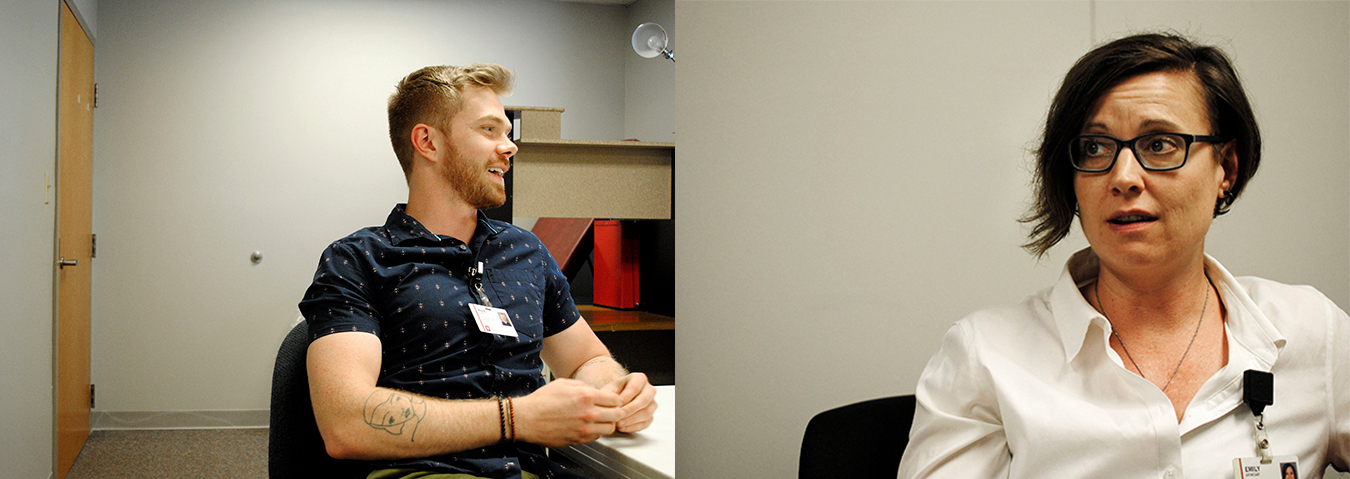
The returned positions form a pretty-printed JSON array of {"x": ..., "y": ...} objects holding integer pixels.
[
  {"x": 91, "y": 396},
  {"x": 93, "y": 246},
  {"x": 95, "y": 95}
]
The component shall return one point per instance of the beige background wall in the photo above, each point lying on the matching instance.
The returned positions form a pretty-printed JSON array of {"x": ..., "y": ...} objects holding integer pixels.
[{"x": 850, "y": 173}]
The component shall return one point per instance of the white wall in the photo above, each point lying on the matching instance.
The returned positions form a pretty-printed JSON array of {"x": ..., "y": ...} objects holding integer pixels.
[
  {"x": 229, "y": 127},
  {"x": 850, "y": 173},
  {"x": 29, "y": 31}
]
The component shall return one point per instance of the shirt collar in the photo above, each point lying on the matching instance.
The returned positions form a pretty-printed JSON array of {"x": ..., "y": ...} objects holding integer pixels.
[
  {"x": 1074, "y": 316},
  {"x": 402, "y": 227},
  {"x": 1247, "y": 324}
]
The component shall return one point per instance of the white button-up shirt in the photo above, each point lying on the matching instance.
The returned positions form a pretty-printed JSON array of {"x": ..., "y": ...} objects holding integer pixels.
[{"x": 1034, "y": 390}]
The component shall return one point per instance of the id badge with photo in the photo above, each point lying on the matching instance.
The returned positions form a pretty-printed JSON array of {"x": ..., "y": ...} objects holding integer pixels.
[
  {"x": 1280, "y": 467},
  {"x": 493, "y": 320}
]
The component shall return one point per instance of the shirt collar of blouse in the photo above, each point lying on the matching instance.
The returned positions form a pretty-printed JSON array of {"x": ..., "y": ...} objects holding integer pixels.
[
  {"x": 1074, "y": 316},
  {"x": 402, "y": 227}
]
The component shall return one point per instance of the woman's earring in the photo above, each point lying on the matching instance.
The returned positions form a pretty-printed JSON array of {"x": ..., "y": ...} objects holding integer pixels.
[{"x": 1224, "y": 202}]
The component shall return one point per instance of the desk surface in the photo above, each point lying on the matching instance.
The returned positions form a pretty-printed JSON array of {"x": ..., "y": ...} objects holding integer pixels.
[
  {"x": 609, "y": 319},
  {"x": 648, "y": 454}
]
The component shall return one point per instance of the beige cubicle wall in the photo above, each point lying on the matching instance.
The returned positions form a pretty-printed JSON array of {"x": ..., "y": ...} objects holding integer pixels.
[{"x": 587, "y": 178}]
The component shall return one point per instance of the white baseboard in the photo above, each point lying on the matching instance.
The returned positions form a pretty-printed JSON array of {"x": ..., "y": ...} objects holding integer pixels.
[{"x": 208, "y": 419}]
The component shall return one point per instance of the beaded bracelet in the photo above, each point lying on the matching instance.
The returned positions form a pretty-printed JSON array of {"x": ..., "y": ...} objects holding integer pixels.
[
  {"x": 501, "y": 413},
  {"x": 511, "y": 408}
]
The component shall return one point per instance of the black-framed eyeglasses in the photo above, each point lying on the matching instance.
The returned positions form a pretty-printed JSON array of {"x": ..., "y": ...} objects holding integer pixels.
[{"x": 1155, "y": 151}]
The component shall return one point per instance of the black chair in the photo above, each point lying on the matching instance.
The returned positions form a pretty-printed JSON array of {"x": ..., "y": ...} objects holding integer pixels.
[
  {"x": 294, "y": 447},
  {"x": 860, "y": 440}
]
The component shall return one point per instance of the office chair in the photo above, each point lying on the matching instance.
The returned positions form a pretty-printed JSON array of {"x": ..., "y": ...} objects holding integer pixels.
[
  {"x": 860, "y": 440},
  {"x": 294, "y": 447}
]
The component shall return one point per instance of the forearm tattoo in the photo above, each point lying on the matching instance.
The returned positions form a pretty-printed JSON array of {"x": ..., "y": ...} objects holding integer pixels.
[
  {"x": 395, "y": 412},
  {"x": 595, "y": 360}
]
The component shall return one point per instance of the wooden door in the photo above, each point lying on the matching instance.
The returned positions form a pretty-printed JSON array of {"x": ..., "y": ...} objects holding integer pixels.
[{"x": 75, "y": 133}]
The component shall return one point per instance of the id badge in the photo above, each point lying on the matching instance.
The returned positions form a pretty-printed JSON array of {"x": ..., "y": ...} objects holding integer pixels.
[
  {"x": 1280, "y": 467},
  {"x": 493, "y": 320}
]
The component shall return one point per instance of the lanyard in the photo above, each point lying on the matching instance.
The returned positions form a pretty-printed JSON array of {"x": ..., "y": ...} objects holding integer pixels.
[
  {"x": 1258, "y": 391},
  {"x": 476, "y": 284}
]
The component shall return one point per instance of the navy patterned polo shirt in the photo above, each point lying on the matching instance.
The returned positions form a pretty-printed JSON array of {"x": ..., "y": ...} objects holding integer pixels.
[{"x": 411, "y": 288}]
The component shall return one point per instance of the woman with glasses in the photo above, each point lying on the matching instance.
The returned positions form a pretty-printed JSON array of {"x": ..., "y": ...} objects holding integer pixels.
[{"x": 1135, "y": 364}]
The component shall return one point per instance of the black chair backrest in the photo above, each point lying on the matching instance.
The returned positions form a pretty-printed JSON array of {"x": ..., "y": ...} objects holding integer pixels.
[
  {"x": 860, "y": 440},
  {"x": 294, "y": 447}
]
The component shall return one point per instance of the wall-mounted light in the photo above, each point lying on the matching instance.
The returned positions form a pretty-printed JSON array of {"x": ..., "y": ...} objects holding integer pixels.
[{"x": 649, "y": 40}]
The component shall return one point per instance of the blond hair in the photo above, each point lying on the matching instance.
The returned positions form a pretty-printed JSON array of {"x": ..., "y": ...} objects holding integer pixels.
[{"x": 432, "y": 96}]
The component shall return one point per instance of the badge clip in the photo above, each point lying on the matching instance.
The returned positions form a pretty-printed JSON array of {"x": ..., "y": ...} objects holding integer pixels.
[
  {"x": 1258, "y": 391},
  {"x": 476, "y": 283}
]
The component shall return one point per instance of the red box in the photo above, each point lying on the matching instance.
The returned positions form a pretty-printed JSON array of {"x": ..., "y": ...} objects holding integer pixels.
[{"x": 616, "y": 265}]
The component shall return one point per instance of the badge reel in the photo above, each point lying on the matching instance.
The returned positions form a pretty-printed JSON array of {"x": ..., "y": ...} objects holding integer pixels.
[
  {"x": 1258, "y": 391},
  {"x": 489, "y": 319}
]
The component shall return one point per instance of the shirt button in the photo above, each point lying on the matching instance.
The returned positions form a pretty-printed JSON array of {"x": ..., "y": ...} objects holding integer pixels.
[
  {"x": 463, "y": 248},
  {"x": 1170, "y": 473}
]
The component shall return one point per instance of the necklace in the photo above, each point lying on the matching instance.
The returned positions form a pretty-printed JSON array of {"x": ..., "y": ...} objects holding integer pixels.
[{"x": 1097, "y": 292}]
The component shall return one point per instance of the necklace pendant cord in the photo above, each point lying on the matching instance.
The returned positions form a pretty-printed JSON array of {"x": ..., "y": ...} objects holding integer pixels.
[{"x": 1096, "y": 291}]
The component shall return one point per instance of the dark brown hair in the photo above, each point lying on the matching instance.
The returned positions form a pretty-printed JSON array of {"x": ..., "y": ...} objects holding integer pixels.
[{"x": 1100, "y": 70}]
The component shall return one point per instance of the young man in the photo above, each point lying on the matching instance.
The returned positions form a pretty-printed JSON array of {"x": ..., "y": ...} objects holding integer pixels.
[{"x": 410, "y": 365}]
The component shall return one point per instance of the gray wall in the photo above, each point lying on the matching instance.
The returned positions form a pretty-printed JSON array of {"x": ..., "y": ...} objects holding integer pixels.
[
  {"x": 649, "y": 83},
  {"x": 229, "y": 127},
  {"x": 850, "y": 173},
  {"x": 29, "y": 31},
  {"x": 87, "y": 12}
]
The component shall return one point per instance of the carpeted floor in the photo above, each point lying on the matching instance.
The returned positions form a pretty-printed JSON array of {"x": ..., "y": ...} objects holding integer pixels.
[
  {"x": 175, "y": 453},
  {"x": 214, "y": 453}
]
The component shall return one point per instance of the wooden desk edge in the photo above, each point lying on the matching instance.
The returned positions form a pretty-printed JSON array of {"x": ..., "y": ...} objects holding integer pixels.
[{"x": 608, "y": 319}]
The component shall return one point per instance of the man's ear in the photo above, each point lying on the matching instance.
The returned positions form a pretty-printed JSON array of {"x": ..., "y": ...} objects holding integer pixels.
[{"x": 426, "y": 141}]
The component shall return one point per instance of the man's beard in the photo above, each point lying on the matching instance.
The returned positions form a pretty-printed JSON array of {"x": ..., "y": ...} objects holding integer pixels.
[{"x": 468, "y": 181}]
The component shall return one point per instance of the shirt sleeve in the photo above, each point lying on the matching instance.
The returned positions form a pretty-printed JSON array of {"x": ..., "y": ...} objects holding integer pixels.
[
  {"x": 560, "y": 312},
  {"x": 1338, "y": 368},
  {"x": 341, "y": 297},
  {"x": 957, "y": 431}
]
